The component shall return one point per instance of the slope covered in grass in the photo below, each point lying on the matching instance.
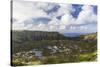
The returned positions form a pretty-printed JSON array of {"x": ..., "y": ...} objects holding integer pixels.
[{"x": 37, "y": 47}]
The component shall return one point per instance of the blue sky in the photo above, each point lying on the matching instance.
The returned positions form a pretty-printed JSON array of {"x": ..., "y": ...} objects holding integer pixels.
[{"x": 64, "y": 18}]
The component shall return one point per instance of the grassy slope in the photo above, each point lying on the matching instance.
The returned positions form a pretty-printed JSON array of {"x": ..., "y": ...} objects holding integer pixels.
[
  {"x": 84, "y": 43},
  {"x": 88, "y": 57}
]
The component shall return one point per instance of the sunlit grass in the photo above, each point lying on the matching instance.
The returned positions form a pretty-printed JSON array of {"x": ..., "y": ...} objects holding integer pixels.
[{"x": 88, "y": 57}]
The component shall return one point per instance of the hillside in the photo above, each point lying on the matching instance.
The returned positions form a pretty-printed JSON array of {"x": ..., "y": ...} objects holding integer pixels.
[
  {"x": 92, "y": 36},
  {"x": 38, "y": 47},
  {"x": 36, "y": 35}
]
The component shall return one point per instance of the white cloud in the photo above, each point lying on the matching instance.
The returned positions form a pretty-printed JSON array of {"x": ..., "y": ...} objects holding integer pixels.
[
  {"x": 54, "y": 21},
  {"x": 65, "y": 9},
  {"x": 53, "y": 28},
  {"x": 82, "y": 23},
  {"x": 67, "y": 19},
  {"x": 86, "y": 15},
  {"x": 39, "y": 27},
  {"x": 26, "y": 10},
  {"x": 17, "y": 26}
]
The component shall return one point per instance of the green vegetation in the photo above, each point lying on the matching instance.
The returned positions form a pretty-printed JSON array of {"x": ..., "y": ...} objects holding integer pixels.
[
  {"x": 37, "y": 47},
  {"x": 88, "y": 57}
]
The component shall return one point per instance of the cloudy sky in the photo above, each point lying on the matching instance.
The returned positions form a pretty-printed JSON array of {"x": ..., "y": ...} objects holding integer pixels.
[{"x": 64, "y": 18}]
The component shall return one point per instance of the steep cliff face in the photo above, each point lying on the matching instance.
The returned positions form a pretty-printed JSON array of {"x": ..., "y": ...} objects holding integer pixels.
[
  {"x": 44, "y": 35},
  {"x": 36, "y": 35}
]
